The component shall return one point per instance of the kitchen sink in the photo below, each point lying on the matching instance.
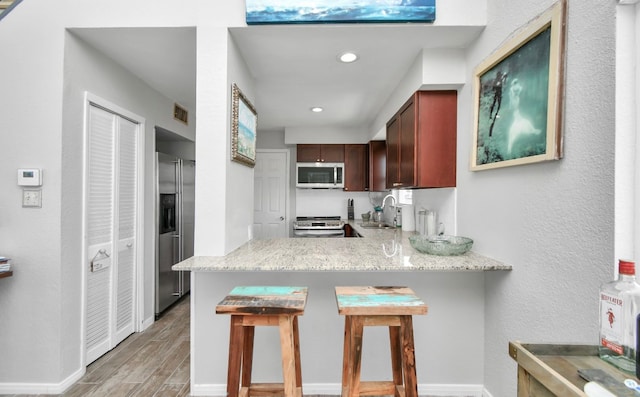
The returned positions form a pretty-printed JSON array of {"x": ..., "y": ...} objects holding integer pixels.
[{"x": 375, "y": 225}]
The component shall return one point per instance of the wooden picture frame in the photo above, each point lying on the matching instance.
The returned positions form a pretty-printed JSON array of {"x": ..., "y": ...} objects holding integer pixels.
[
  {"x": 244, "y": 121},
  {"x": 518, "y": 96}
]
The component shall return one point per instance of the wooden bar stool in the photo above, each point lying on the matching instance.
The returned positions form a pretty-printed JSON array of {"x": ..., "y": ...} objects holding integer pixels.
[
  {"x": 267, "y": 306},
  {"x": 379, "y": 306}
]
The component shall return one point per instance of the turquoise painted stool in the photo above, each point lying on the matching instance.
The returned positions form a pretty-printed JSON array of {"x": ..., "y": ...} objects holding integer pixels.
[
  {"x": 263, "y": 306},
  {"x": 379, "y": 306}
]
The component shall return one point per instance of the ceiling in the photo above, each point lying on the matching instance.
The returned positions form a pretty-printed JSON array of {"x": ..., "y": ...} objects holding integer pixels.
[{"x": 295, "y": 66}]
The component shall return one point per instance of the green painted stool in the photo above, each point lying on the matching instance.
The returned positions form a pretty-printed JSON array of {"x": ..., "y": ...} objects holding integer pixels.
[
  {"x": 263, "y": 306},
  {"x": 379, "y": 306}
]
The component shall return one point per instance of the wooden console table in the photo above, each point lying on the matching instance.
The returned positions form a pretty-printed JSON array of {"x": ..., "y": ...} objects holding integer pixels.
[
  {"x": 6, "y": 274},
  {"x": 552, "y": 370}
]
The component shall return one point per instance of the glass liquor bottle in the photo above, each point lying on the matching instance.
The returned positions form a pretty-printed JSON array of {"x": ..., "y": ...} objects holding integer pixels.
[{"x": 619, "y": 307}]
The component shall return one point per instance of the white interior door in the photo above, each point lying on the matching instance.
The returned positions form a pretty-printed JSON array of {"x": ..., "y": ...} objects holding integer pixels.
[
  {"x": 111, "y": 216},
  {"x": 270, "y": 194}
]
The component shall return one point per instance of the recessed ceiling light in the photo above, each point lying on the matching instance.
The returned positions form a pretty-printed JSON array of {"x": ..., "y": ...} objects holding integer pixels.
[
  {"x": 348, "y": 57},
  {"x": 317, "y": 109}
]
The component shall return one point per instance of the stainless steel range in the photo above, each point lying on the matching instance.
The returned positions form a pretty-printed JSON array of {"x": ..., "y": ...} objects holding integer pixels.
[{"x": 318, "y": 226}]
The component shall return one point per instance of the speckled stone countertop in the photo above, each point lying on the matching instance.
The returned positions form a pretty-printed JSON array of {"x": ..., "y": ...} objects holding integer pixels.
[{"x": 376, "y": 250}]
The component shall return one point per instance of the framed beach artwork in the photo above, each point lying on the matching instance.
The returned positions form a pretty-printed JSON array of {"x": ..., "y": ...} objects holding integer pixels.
[
  {"x": 518, "y": 96},
  {"x": 261, "y": 12},
  {"x": 244, "y": 122}
]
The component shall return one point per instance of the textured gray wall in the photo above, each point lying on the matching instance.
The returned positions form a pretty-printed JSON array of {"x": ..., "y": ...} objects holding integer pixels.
[{"x": 552, "y": 221}]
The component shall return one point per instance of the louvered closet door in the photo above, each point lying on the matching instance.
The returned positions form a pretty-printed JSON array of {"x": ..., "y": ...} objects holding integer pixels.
[
  {"x": 126, "y": 208},
  {"x": 111, "y": 230},
  {"x": 100, "y": 203}
]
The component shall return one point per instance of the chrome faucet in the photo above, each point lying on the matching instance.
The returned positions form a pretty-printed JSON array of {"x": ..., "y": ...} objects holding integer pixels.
[
  {"x": 393, "y": 204},
  {"x": 393, "y": 200}
]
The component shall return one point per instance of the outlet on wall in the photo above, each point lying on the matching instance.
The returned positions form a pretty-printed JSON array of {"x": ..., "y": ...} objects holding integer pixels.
[{"x": 32, "y": 198}]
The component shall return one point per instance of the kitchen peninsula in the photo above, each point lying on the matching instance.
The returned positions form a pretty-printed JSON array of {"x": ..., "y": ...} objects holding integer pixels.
[{"x": 449, "y": 339}]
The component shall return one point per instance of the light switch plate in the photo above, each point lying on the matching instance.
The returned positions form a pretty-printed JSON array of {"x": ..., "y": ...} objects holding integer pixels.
[{"x": 32, "y": 198}]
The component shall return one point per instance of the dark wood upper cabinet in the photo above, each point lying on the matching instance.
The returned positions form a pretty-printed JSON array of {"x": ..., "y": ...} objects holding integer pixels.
[
  {"x": 421, "y": 142},
  {"x": 356, "y": 167},
  {"x": 377, "y": 166},
  {"x": 318, "y": 153}
]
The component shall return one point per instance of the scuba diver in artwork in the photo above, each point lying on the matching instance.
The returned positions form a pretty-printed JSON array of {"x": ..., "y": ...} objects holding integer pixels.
[{"x": 496, "y": 86}]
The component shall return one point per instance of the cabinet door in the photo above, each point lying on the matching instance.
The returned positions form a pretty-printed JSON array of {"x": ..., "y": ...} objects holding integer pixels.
[
  {"x": 421, "y": 142},
  {"x": 332, "y": 153},
  {"x": 316, "y": 153},
  {"x": 355, "y": 168},
  {"x": 309, "y": 153},
  {"x": 377, "y": 166},
  {"x": 393, "y": 153},
  {"x": 437, "y": 139},
  {"x": 407, "y": 145}
]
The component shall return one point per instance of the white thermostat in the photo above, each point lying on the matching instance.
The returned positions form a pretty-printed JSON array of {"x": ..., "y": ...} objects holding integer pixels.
[{"x": 29, "y": 177}]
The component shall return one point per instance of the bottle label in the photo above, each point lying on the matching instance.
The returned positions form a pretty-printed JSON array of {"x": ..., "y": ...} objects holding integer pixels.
[{"x": 611, "y": 329}]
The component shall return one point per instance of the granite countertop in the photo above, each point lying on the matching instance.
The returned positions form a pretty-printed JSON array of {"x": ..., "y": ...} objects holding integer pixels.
[{"x": 376, "y": 250}]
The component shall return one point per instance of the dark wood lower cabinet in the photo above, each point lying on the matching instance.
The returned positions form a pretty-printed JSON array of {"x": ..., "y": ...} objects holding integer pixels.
[{"x": 349, "y": 231}]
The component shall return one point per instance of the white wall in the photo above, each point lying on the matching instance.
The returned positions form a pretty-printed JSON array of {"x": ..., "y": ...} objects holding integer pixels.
[
  {"x": 295, "y": 135},
  {"x": 221, "y": 223},
  {"x": 553, "y": 222},
  {"x": 627, "y": 182},
  {"x": 32, "y": 304},
  {"x": 239, "y": 195}
]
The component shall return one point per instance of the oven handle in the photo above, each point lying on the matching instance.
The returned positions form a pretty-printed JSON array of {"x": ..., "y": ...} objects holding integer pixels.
[{"x": 319, "y": 233}]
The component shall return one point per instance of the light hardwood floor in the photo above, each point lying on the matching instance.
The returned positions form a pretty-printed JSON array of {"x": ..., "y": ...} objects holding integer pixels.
[{"x": 151, "y": 363}]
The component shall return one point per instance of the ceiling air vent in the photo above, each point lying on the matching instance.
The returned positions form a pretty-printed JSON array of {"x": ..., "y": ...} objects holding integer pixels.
[{"x": 180, "y": 113}]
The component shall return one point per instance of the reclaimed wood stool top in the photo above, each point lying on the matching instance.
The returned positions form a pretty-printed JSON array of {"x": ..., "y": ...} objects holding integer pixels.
[
  {"x": 381, "y": 300},
  {"x": 267, "y": 300}
]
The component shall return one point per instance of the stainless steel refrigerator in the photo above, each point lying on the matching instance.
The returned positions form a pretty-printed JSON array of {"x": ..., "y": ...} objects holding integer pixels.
[{"x": 174, "y": 227}]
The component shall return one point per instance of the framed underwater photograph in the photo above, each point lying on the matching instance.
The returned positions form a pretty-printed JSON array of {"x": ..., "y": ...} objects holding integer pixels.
[
  {"x": 518, "y": 96},
  {"x": 244, "y": 122},
  {"x": 260, "y": 12}
]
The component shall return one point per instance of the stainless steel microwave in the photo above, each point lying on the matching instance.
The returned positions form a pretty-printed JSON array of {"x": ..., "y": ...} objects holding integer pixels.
[{"x": 320, "y": 175}]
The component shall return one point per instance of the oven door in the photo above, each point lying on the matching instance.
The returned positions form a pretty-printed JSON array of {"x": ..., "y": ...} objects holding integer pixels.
[{"x": 318, "y": 233}]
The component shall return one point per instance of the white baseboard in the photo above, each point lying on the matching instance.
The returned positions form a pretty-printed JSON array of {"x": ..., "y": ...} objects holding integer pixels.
[
  {"x": 42, "y": 388},
  {"x": 462, "y": 390},
  {"x": 208, "y": 390},
  {"x": 147, "y": 323},
  {"x": 334, "y": 389},
  {"x": 485, "y": 393}
]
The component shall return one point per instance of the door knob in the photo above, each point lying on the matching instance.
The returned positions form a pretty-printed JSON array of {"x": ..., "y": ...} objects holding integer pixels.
[{"x": 282, "y": 218}]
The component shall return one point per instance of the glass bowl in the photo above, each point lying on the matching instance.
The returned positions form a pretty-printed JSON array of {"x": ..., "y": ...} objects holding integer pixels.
[{"x": 441, "y": 245}]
